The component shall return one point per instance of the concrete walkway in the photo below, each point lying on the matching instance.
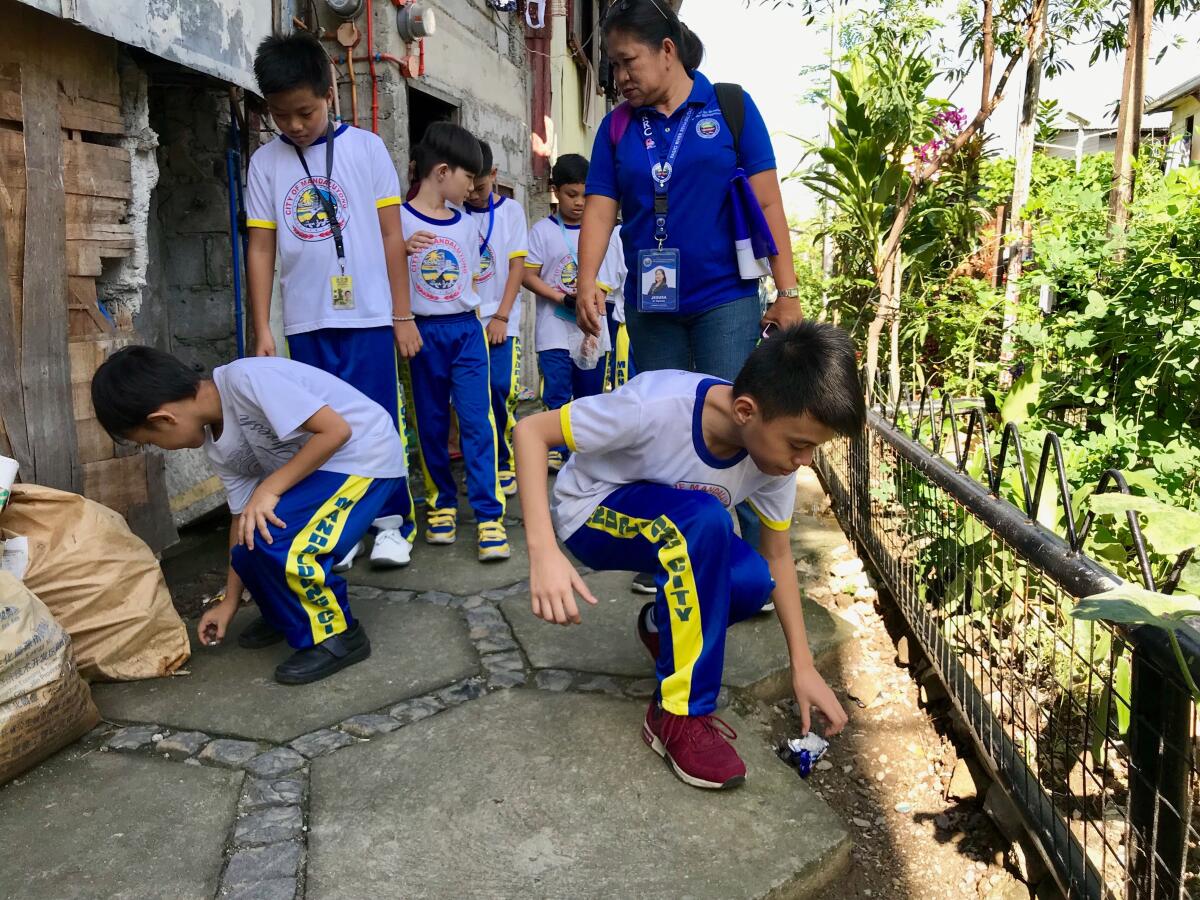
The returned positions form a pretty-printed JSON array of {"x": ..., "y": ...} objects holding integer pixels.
[{"x": 478, "y": 753}]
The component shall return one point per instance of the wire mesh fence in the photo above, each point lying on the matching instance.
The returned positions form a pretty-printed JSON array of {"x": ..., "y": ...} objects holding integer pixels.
[{"x": 1090, "y": 729}]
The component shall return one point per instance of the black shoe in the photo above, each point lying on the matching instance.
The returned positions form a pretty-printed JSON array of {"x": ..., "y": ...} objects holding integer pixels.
[
  {"x": 643, "y": 583},
  {"x": 331, "y": 655},
  {"x": 259, "y": 635}
]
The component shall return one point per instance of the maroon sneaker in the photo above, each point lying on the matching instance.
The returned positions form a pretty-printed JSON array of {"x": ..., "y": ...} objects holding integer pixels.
[
  {"x": 648, "y": 638},
  {"x": 695, "y": 747}
]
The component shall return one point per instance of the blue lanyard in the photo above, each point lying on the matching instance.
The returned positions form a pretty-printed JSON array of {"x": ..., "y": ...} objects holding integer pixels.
[
  {"x": 662, "y": 171},
  {"x": 491, "y": 222},
  {"x": 563, "y": 229}
]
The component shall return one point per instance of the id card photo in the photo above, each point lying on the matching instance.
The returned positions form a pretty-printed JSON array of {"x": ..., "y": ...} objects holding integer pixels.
[{"x": 659, "y": 281}]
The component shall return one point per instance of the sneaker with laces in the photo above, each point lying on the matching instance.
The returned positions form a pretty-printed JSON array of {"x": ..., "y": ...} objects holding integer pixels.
[
  {"x": 391, "y": 550},
  {"x": 493, "y": 542},
  {"x": 696, "y": 748},
  {"x": 555, "y": 460},
  {"x": 508, "y": 483},
  {"x": 648, "y": 638},
  {"x": 344, "y": 564},
  {"x": 441, "y": 526}
]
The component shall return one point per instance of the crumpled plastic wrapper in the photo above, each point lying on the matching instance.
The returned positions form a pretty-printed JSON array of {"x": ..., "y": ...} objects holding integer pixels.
[{"x": 803, "y": 753}]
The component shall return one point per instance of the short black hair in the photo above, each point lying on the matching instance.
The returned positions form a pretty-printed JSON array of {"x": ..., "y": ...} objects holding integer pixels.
[
  {"x": 485, "y": 153},
  {"x": 570, "y": 168},
  {"x": 445, "y": 142},
  {"x": 807, "y": 368},
  {"x": 284, "y": 62},
  {"x": 135, "y": 382}
]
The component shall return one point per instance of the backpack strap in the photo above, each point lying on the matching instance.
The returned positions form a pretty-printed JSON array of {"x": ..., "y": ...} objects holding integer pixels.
[
  {"x": 732, "y": 100},
  {"x": 618, "y": 122}
]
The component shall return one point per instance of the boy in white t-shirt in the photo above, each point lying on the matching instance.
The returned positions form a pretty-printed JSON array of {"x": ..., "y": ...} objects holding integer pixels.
[
  {"x": 307, "y": 462},
  {"x": 504, "y": 244},
  {"x": 453, "y": 362},
  {"x": 656, "y": 467},
  {"x": 550, "y": 271},
  {"x": 344, "y": 288}
]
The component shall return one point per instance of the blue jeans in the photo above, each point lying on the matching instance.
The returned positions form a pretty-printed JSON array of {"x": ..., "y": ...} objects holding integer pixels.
[{"x": 715, "y": 342}]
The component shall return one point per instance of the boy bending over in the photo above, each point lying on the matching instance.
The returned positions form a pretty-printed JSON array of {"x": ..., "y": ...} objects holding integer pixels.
[
  {"x": 307, "y": 462},
  {"x": 655, "y": 468}
]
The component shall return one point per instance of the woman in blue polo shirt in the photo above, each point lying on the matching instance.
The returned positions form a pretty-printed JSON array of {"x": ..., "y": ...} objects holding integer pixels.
[{"x": 677, "y": 136}]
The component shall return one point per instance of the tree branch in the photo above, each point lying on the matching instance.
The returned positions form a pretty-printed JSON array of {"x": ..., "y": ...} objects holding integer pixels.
[{"x": 924, "y": 173}]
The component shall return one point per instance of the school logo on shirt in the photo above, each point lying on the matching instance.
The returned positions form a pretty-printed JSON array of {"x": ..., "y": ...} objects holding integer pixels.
[
  {"x": 305, "y": 213},
  {"x": 708, "y": 127},
  {"x": 714, "y": 490},
  {"x": 564, "y": 274},
  {"x": 487, "y": 265},
  {"x": 437, "y": 271}
]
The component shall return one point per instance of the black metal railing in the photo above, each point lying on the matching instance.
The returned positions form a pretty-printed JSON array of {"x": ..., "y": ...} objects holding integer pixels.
[{"x": 1089, "y": 728}]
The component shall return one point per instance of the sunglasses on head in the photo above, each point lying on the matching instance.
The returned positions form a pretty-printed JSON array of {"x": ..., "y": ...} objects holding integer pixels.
[{"x": 624, "y": 6}]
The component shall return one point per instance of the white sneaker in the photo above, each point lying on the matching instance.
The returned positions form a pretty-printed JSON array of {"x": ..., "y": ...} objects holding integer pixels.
[
  {"x": 344, "y": 564},
  {"x": 391, "y": 550}
]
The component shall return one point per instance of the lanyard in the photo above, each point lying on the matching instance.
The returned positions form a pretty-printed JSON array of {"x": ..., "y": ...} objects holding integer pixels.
[
  {"x": 662, "y": 170},
  {"x": 491, "y": 222},
  {"x": 326, "y": 202},
  {"x": 563, "y": 229}
]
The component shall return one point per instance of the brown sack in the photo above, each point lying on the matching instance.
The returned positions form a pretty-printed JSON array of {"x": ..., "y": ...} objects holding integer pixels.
[
  {"x": 101, "y": 582},
  {"x": 44, "y": 704}
]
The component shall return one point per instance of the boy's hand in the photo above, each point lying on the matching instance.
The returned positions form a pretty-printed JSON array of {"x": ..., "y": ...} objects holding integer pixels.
[
  {"x": 264, "y": 345},
  {"x": 215, "y": 620},
  {"x": 408, "y": 338},
  {"x": 258, "y": 512},
  {"x": 419, "y": 241},
  {"x": 497, "y": 332},
  {"x": 811, "y": 690},
  {"x": 553, "y": 583}
]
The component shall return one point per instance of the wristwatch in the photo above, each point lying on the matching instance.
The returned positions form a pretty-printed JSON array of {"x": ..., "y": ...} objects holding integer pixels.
[{"x": 789, "y": 293}]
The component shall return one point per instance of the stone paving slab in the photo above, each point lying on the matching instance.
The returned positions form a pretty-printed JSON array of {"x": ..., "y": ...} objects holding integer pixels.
[
  {"x": 415, "y": 648},
  {"x": 112, "y": 825},
  {"x": 530, "y": 794},
  {"x": 756, "y": 657}
]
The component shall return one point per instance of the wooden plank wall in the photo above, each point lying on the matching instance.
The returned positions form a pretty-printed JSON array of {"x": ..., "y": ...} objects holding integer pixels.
[{"x": 61, "y": 224}]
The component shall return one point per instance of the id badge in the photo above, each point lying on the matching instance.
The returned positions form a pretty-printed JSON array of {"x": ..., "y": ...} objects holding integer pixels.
[
  {"x": 343, "y": 291},
  {"x": 658, "y": 281}
]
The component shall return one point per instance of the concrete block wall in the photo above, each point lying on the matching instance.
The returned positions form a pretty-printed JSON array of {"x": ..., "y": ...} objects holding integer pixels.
[{"x": 190, "y": 277}]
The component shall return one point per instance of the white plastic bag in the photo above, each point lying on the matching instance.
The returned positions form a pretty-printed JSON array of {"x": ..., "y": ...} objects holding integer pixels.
[{"x": 584, "y": 349}]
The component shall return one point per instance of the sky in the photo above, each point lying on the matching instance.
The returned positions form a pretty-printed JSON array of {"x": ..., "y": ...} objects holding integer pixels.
[{"x": 764, "y": 50}]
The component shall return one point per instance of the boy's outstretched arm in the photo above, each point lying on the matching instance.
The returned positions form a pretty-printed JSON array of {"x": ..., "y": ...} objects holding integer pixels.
[
  {"x": 807, "y": 684},
  {"x": 218, "y": 616},
  {"x": 497, "y": 329},
  {"x": 553, "y": 581},
  {"x": 260, "y": 277},
  {"x": 408, "y": 338}
]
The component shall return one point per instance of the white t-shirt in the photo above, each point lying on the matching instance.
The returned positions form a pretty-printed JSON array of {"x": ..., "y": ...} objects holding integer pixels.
[
  {"x": 279, "y": 196},
  {"x": 440, "y": 276},
  {"x": 558, "y": 262},
  {"x": 615, "y": 274},
  {"x": 650, "y": 430},
  {"x": 509, "y": 240},
  {"x": 265, "y": 399}
]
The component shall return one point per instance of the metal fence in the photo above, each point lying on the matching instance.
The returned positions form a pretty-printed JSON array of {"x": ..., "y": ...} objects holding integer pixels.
[{"x": 1089, "y": 728}]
